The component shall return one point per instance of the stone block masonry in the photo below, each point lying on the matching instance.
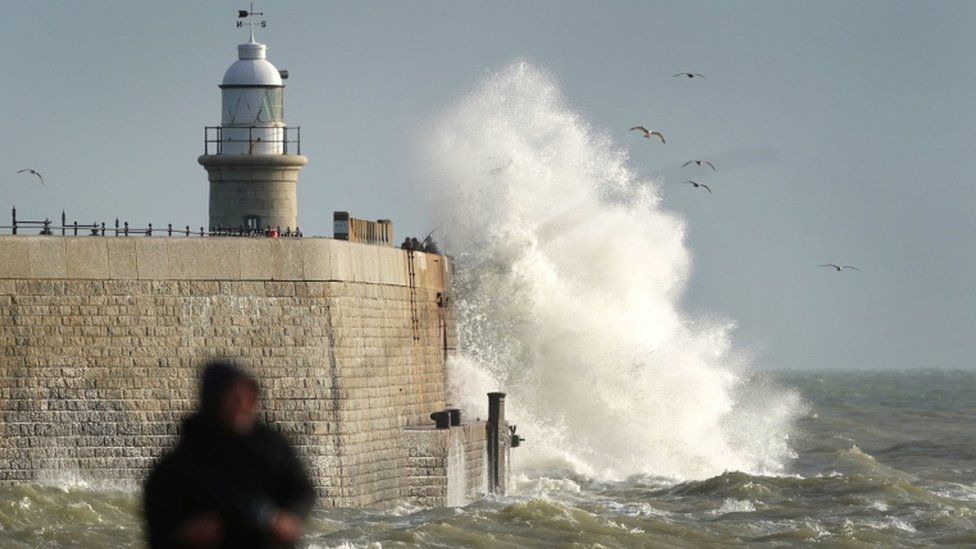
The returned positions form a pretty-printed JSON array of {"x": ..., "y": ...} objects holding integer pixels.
[
  {"x": 447, "y": 466},
  {"x": 260, "y": 185},
  {"x": 102, "y": 339}
]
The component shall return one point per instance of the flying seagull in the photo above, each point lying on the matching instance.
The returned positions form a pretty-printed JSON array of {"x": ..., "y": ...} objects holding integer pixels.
[
  {"x": 698, "y": 185},
  {"x": 689, "y": 75},
  {"x": 648, "y": 133},
  {"x": 33, "y": 172},
  {"x": 839, "y": 268},
  {"x": 700, "y": 163}
]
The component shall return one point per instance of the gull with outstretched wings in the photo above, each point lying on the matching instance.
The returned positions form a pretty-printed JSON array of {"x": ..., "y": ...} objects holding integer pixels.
[
  {"x": 698, "y": 185},
  {"x": 649, "y": 133},
  {"x": 33, "y": 172},
  {"x": 700, "y": 163},
  {"x": 689, "y": 75},
  {"x": 839, "y": 268}
]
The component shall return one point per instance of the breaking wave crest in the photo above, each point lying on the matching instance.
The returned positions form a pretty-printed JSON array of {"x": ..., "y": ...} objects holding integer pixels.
[{"x": 569, "y": 281}]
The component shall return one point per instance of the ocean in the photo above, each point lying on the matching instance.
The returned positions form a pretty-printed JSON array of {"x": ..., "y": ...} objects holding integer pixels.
[{"x": 881, "y": 458}]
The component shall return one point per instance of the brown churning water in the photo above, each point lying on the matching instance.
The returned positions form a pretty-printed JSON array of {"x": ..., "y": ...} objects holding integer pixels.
[{"x": 883, "y": 458}]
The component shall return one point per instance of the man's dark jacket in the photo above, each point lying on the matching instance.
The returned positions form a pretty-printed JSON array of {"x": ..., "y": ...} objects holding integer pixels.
[{"x": 244, "y": 479}]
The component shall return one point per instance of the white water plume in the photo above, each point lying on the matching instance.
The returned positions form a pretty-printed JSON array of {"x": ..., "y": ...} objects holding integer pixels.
[{"x": 568, "y": 287}]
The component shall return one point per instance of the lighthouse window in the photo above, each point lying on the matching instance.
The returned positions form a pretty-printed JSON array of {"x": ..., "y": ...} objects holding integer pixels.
[{"x": 272, "y": 106}]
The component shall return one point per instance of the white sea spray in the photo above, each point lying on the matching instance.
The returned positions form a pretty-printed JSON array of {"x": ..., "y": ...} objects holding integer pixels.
[{"x": 570, "y": 275}]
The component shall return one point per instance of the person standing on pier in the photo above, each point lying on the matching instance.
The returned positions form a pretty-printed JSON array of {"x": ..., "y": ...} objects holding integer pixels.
[{"x": 231, "y": 481}]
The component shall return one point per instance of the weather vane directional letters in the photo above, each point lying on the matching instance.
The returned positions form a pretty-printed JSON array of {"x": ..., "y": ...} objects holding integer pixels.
[{"x": 244, "y": 14}]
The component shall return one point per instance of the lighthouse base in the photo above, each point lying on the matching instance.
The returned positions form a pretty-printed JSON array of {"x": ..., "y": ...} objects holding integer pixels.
[{"x": 254, "y": 190}]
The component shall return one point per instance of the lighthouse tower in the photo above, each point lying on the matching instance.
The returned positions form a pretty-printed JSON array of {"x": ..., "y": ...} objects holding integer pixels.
[{"x": 253, "y": 158}]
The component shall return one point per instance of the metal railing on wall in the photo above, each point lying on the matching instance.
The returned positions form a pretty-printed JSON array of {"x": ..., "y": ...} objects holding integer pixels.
[
  {"x": 214, "y": 139},
  {"x": 47, "y": 227}
]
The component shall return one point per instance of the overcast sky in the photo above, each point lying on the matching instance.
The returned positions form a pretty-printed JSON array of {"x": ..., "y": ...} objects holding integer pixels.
[{"x": 842, "y": 132}]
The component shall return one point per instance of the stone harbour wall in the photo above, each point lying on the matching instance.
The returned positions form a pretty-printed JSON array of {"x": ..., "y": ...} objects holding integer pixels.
[
  {"x": 447, "y": 466},
  {"x": 102, "y": 340}
]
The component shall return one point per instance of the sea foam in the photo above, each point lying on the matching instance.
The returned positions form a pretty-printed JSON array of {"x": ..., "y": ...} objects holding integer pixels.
[{"x": 569, "y": 279}]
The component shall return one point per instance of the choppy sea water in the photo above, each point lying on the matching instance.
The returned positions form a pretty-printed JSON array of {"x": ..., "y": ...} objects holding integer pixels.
[{"x": 882, "y": 458}]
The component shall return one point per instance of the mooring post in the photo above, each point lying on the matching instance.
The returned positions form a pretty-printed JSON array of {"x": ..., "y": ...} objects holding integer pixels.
[
  {"x": 442, "y": 418},
  {"x": 455, "y": 416},
  {"x": 496, "y": 449}
]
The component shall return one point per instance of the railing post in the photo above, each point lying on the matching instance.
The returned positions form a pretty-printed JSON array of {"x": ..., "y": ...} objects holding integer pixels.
[
  {"x": 103, "y": 228},
  {"x": 63, "y": 221},
  {"x": 116, "y": 226},
  {"x": 13, "y": 213}
]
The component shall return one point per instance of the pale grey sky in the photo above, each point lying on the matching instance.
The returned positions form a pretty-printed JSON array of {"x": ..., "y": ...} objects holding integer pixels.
[{"x": 845, "y": 129}]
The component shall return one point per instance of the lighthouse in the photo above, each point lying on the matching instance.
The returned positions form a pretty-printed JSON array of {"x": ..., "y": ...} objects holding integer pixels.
[{"x": 253, "y": 158}]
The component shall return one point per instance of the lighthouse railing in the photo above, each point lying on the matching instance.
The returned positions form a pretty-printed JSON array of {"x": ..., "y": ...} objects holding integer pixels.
[{"x": 252, "y": 140}]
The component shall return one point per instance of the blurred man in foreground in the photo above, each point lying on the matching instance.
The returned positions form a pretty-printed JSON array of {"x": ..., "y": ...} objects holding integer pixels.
[{"x": 231, "y": 481}]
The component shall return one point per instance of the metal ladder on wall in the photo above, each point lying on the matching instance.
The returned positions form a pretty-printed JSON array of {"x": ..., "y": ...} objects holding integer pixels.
[{"x": 412, "y": 279}]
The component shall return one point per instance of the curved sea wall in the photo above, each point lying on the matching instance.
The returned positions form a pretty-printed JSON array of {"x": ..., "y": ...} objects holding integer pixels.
[{"x": 102, "y": 340}]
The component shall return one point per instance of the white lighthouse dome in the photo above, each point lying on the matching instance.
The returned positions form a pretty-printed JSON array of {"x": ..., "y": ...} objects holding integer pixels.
[{"x": 252, "y": 68}]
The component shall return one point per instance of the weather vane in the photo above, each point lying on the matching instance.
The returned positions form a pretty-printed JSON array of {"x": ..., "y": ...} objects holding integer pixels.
[{"x": 244, "y": 14}]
